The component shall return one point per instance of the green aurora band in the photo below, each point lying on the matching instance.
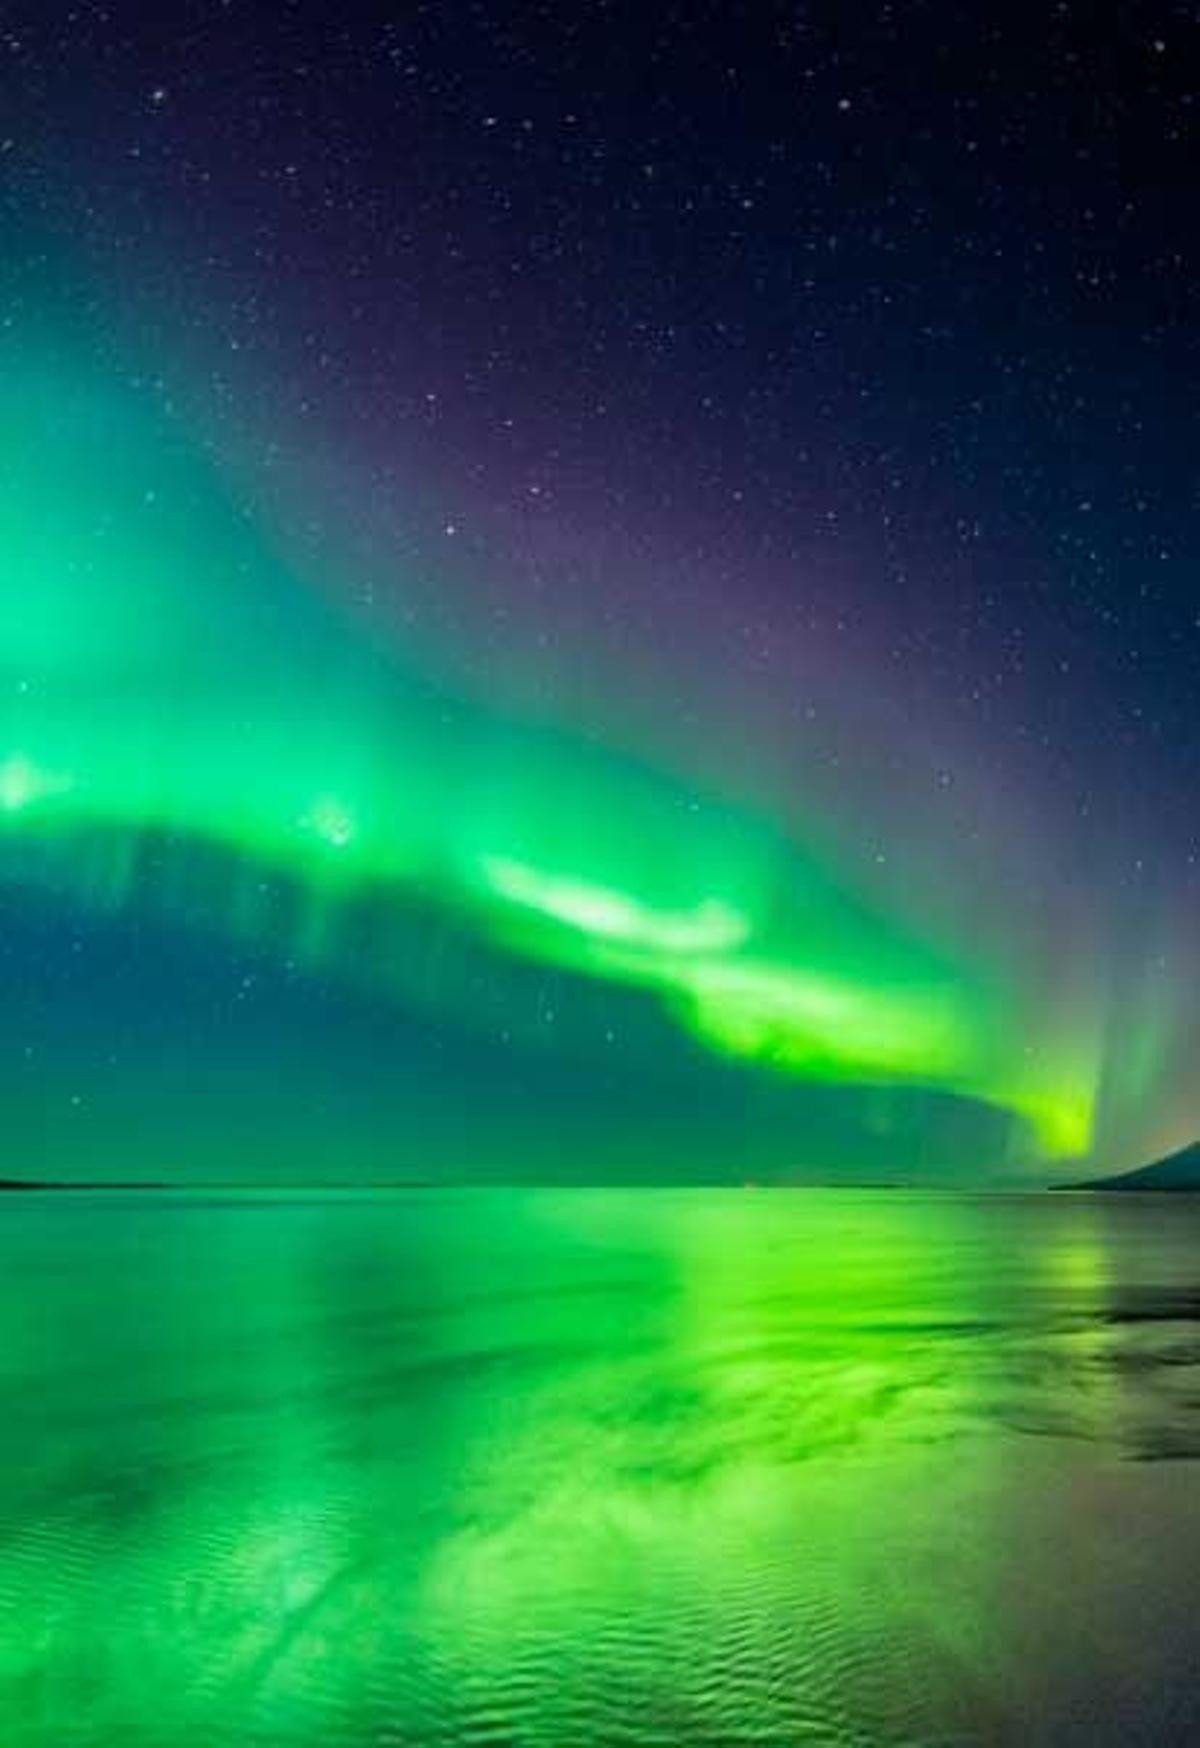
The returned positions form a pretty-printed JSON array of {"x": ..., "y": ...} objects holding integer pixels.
[{"x": 169, "y": 679}]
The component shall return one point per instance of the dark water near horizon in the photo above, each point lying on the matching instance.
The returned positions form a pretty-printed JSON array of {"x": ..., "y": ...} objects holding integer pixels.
[{"x": 561, "y": 1468}]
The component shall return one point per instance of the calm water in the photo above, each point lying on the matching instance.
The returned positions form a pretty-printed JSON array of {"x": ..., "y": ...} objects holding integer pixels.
[{"x": 561, "y": 1469}]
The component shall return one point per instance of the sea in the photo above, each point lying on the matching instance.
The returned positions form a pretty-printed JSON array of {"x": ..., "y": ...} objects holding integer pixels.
[{"x": 556, "y": 1468}]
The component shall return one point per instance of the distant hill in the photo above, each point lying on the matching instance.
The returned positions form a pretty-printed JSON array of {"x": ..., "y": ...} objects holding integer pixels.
[
  {"x": 1178, "y": 1171},
  {"x": 32, "y": 1183}
]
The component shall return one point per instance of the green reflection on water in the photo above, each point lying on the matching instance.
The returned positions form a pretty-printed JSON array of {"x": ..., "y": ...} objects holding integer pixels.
[{"x": 544, "y": 1468}]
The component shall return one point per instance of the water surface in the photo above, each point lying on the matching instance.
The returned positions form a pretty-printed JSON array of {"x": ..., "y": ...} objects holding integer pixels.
[{"x": 553, "y": 1469}]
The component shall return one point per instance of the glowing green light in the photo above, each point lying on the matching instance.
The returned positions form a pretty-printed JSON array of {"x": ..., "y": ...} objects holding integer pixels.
[
  {"x": 800, "y": 1021},
  {"x": 332, "y": 821},
  {"x": 22, "y": 783},
  {"x": 616, "y": 916},
  {"x": 160, "y": 712}
]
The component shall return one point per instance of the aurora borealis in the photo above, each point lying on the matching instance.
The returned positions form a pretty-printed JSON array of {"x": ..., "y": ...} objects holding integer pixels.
[
  {"x": 151, "y": 729},
  {"x": 599, "y": 755},
  {"x": 442, "y": 740}
]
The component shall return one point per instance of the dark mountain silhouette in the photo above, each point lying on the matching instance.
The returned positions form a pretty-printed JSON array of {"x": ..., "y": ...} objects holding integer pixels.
[{"x": 1177, "y": 1171}]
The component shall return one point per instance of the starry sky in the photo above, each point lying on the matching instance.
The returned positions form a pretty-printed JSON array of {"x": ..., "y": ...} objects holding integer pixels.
[{"x": 597, "y": 593}]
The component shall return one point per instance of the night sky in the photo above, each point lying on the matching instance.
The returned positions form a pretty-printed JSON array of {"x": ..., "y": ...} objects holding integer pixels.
[{"x": 598, "y": 592}]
